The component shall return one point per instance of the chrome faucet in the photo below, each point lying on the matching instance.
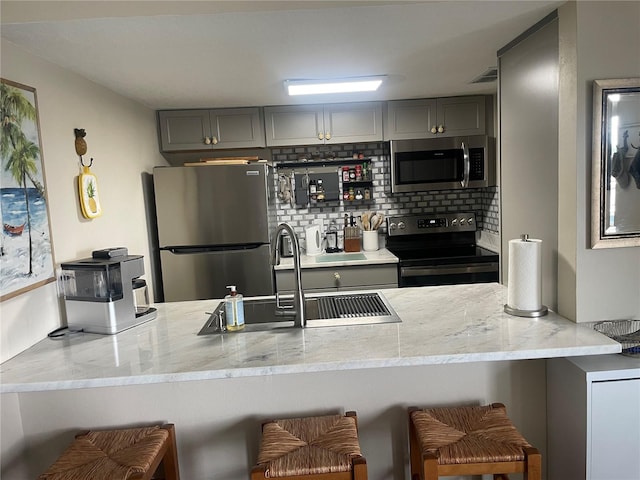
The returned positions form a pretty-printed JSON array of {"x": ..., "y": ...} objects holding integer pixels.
[{"x": 298, "y": 296}]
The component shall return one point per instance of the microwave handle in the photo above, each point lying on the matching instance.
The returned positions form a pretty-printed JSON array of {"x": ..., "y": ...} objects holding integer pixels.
[{"x": 467, "y": 166}]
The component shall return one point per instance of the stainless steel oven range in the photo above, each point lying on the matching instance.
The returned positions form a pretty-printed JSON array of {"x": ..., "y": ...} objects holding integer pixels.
[{"x": 439, "y": 249}]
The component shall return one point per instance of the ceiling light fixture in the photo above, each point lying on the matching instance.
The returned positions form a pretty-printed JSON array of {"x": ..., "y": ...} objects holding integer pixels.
[{"x": 337, "y": 85}]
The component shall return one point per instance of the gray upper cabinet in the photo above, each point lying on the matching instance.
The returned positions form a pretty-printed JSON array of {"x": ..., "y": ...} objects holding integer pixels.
[
  {"x": 436, "y": 117},
  {"x": 184, "y": 130},
  {"x": 294, "y": 125},
  {"x": 320, "y": 124}
]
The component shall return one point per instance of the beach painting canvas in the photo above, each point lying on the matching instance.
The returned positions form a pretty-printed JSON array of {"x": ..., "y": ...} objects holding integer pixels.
[{"x": 26, "y": 257}]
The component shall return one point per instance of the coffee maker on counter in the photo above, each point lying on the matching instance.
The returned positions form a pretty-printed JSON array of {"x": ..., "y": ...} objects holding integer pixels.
[{"x": 104, "y": 293}]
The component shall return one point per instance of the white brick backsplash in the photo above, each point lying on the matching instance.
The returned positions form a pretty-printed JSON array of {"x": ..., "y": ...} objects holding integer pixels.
[{"x": 484, "y": 202}]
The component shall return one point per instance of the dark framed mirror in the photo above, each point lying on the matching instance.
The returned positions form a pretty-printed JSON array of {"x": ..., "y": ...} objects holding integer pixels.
[{"x": 615, "y": 192}]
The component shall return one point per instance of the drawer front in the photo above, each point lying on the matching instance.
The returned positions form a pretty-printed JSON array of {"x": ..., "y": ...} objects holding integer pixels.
[{"x": 342, "y": 278}]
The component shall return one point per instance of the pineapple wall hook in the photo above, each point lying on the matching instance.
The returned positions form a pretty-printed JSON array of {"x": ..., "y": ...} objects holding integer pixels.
[{"x": 87, "y": 181}]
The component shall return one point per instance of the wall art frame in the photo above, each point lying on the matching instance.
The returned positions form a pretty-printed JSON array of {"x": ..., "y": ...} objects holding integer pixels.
[
  {"x": 615, "y": 176},
  {"x": 26, "y": 260}
]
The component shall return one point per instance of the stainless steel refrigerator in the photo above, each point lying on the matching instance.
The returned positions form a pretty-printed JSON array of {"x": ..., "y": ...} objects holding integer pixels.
[{"x": 214, "y": 226}]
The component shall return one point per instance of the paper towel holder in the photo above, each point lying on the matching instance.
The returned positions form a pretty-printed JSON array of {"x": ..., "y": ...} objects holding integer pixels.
[{"x": 542, "y": 311}]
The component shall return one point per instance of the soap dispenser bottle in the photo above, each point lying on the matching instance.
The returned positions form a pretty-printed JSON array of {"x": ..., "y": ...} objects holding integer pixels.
[{"x": 234, "y": 310}]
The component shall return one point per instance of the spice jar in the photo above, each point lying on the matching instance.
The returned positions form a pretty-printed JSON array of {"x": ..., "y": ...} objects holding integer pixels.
[{"x": 345, "y": 174}]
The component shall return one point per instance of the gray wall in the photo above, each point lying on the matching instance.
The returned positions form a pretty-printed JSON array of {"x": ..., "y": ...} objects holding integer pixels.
[
  {"x": 528, "y": 104},
  {"x": 606, "y": 46},
  {"x": 554, "y": 172}
]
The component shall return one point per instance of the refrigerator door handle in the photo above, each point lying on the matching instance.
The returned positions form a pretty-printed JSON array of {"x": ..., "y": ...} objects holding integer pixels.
[{"x": 211, "y": 249}]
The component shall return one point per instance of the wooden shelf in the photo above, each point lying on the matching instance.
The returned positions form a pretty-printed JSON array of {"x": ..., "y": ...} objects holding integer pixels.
[{"x": 337, "y": 162}]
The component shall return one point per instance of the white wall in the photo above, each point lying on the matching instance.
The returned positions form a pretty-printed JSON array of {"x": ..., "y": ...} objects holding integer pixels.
[
  {"x": 218, "y": 421},
  {"x": 604, "y": 46},
  {"x": 122, "y": 139}
]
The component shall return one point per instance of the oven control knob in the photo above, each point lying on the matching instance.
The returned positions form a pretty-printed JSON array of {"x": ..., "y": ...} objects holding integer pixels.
[
  {"x": 470, "y": 220},
  {"x": 392, "y": 226},
  {"x": 401, "y": 225},
  {"x": 462, "y": 221},
  {"x": 454, "y": 222}
]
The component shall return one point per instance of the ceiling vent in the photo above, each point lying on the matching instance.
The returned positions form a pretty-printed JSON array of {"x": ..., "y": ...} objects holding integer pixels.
[{"x": 490, "y": 75}]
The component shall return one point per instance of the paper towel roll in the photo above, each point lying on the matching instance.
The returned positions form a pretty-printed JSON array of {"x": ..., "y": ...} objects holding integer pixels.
[{"x": 524, "y": 290}]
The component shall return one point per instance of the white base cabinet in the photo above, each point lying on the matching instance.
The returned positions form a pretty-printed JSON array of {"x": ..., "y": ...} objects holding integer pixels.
[{"x": 593, "y": 418}]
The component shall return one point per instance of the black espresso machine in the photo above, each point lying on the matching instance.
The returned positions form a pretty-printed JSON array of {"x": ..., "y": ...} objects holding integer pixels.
[{"x": 104, "y": 293}]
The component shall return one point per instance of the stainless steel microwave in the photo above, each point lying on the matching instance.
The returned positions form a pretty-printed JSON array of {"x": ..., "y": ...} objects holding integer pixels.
[{"x": 442, "y": 163}]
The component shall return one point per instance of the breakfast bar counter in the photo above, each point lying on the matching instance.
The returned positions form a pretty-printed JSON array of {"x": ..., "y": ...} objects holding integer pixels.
[{"x": 440, "y": 325}]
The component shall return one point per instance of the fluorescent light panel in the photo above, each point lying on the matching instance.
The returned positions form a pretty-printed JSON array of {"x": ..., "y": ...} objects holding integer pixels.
[{"x": 339, "y": 85}]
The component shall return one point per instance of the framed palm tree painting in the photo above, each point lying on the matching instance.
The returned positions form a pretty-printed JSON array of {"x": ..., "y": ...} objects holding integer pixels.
[{"x": 26, "y": 256}]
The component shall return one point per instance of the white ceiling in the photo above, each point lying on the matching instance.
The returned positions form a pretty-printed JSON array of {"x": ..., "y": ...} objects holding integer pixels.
[{"x": 190, "y": 54}]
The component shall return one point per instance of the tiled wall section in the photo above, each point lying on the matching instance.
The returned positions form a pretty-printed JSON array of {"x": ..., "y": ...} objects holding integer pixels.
[{"x": 483, "y": 201}]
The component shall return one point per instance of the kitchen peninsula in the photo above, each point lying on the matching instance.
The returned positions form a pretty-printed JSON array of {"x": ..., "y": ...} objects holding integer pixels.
[
  {"x": 448, "y": 324},
  {"x": 454, "y": 345}
]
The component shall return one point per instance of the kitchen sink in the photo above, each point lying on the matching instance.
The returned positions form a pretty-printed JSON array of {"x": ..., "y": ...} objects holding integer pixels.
[
  {"x": 340, "y": 257},
  {"x": 321, "y": 311}
]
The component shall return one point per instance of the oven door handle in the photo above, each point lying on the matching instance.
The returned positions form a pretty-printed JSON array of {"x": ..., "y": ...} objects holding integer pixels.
[
  {"x": 448, "y": 269},
  {"x": 467, "y": 166}
]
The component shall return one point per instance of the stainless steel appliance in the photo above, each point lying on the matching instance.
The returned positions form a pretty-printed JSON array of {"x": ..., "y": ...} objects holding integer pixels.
[
  {"x": 442, "y": 163},
  {"x": 99, "y": 293},
  {"x": 439, "y": 249},
  {"x": 214, "y": 226}
]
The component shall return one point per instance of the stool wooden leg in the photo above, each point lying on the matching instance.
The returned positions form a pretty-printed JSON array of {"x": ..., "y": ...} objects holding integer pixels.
[
  {"x": 534, "y": 464},
  {"x": 359, "y": 468},
  {"x": 170, "y": 460},
  {"x": 167, "y": 461},
  {"x": 415, "y": 458},
  {"x": 257, "y": 472},
  {"x": 430, "y": 467}
]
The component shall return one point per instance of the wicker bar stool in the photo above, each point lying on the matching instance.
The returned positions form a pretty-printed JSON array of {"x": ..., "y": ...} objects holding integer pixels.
[
  {"x": 127, "y": 454},
  {"x": 468, "y": 441},
  {"x": 311, "y": 448}
]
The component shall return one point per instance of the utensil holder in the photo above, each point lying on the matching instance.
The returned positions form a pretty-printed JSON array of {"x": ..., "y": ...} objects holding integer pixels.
[{"x": 370, "y": 240}]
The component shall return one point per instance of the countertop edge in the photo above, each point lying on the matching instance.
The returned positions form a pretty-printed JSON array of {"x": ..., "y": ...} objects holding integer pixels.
[{"x": 309, "y": 368}]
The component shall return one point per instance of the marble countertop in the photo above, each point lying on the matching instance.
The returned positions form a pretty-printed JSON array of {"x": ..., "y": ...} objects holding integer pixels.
[
  {"x": 445, "y": 324},
  {"x": 342, "y": 259}
]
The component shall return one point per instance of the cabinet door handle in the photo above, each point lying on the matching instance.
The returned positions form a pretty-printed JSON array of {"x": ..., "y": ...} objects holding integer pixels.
[
  {"x": 336, "y": 275},
  {"x": 207, "y": 141},
  {"x": 328, "y": 136},
  {"x": 434, "y": 129},
  {"x": 214, "y": 140},
  {"x": 320, "y": 136},
  {"x": 440, "y": 128}
]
